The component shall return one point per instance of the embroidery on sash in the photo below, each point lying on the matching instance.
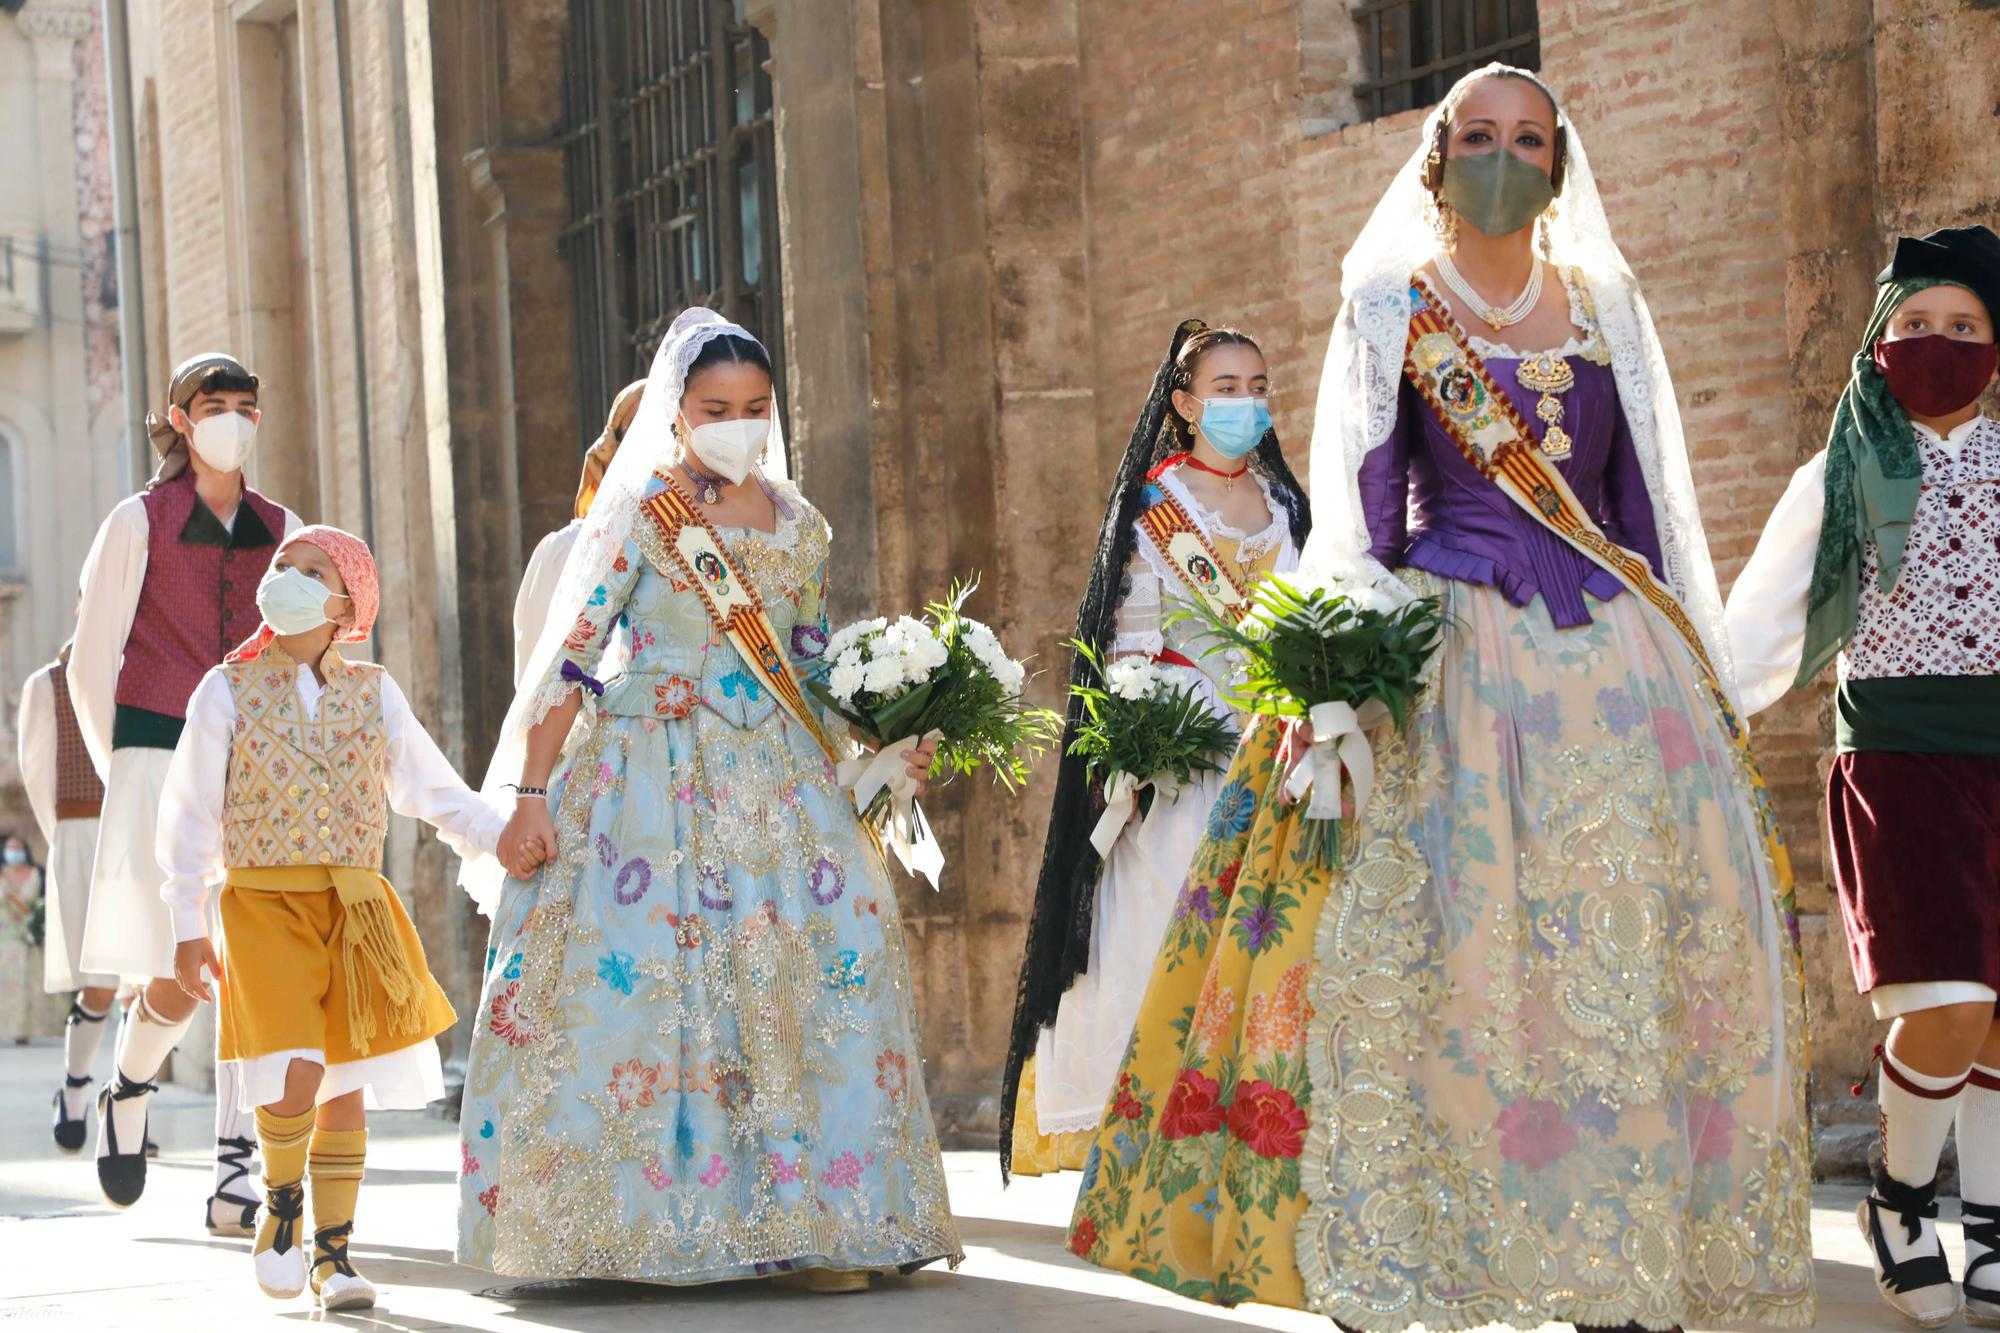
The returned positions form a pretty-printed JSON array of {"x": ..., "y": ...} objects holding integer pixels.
[
  {"x": 1490, "y": 432},
  {"x": 732, "y": 602},
  {"x": 1186, "y": 549}
]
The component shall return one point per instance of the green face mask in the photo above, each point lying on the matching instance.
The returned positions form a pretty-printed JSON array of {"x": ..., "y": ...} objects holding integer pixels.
[{"x": 1496, "y": 192}]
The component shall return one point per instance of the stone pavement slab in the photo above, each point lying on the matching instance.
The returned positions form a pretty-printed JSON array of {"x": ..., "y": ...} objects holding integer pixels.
[{"x": 69, "y": 1261}]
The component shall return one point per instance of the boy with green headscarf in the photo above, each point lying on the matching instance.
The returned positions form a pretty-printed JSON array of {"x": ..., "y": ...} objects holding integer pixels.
[{"x": 1885, "y": 554}]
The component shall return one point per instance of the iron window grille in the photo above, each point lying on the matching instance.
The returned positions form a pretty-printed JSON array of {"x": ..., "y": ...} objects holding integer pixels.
[
  {"x": 670, "y": 158},
  {"x": 1416, "y": 49}
]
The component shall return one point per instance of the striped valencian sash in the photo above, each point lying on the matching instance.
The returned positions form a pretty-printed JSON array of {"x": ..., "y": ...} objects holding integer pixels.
[
  {"x": 1186, "y": 549},
  {"x": 733, "y": 605},
  {"x": 1495, "y": 438}
]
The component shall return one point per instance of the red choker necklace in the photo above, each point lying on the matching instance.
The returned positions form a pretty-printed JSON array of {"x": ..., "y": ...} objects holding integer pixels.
[{"x": 1197, "y": 464}]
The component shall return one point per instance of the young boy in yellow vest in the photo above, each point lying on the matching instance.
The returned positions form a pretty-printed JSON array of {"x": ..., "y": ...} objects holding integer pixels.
[{"x": 280, "y": 790}]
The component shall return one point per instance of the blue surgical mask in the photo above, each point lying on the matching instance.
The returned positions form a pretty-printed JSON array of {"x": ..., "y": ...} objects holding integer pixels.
[
  {"x": 1235, "y": 426},
  {"x": 15, "y": 856}
]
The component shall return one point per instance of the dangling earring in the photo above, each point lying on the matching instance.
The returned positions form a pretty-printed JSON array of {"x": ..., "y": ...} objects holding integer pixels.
[
  {"x": 1444, "y": 221},
  {"x": 1547, "y": 224}
]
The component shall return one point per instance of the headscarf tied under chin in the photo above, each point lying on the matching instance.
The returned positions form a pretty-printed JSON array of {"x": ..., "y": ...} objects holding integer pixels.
[
  {"x": 351, "y": 556},
  {"x": 598, "y": 459}
]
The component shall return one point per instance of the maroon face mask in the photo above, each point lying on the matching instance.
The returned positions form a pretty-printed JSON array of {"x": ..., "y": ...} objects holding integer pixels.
[{"x": 1935, "y": 376}]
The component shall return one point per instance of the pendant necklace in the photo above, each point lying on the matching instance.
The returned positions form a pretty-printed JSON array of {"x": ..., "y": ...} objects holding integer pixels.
[
  {"x": 1496, "y": 317},
  {"x": 710, "y": 484},
  {"x": 1228, "y": 478}
]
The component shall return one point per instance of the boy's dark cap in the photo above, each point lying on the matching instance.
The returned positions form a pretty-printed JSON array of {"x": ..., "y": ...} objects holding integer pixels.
[
  {"x": 192, "y": 373},
  {"x": 1968, "y": 256}
]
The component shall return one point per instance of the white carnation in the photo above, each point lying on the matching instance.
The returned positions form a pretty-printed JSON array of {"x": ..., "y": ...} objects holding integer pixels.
[
  {"x": 985, "y": 646},
  {"x": 850, "y": 636},
  {"x": 1132, "y": 678},
  {"x": 844, "y": 680},
  {"x": 882, "y": 675}
]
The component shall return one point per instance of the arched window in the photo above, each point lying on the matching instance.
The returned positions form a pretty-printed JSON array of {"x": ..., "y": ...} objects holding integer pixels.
[{"x": 670, "y": 154}]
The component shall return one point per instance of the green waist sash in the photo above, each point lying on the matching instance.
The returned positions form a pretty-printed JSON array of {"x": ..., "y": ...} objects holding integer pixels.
[
  {"x": 1919, "y": 715},
  {"x": 143, "y": 729}
]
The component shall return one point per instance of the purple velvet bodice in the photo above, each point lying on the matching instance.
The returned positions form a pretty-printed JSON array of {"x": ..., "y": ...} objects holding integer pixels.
[{"x": 1428, "y": 508}]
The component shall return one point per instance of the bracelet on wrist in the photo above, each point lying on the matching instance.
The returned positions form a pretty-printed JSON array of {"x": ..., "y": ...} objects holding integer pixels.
[{"x": 542, "y": 792}]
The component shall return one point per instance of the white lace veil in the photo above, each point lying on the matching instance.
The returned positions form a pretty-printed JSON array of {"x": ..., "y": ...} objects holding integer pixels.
[
  {"x": 1359, "y": 390},
  {"x": 648, "y": 446}
]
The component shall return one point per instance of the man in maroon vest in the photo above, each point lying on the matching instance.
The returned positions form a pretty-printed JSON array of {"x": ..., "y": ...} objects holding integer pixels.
[
  {"x": 65, "y": 794},
  {"x": 170, "y": 585}
]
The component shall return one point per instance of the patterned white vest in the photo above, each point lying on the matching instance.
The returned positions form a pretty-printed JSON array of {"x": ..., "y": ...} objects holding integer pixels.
[{"x": 1943, "y": 616}]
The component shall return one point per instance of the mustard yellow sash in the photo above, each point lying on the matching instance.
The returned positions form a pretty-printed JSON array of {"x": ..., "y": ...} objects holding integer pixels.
[
  {"x": 1490, "y": 432},
  {"x": 734, "y": 607},
  {"x": 1186, "y": 549},
  {"x": 370, "y": 940}
]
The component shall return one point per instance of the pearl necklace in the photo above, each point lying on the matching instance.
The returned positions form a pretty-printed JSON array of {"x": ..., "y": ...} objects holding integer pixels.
[{"x": 1496, "y": 317}]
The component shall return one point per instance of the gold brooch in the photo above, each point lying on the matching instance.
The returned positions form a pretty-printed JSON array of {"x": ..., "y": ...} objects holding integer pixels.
[{"x": 1549, "y": 375}]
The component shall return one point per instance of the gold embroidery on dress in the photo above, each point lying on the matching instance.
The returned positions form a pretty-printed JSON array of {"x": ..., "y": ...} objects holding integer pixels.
[{"x": 1406, "y": 1220}]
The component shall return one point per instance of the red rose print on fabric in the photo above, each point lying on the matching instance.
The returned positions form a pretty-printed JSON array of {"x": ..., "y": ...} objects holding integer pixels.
[
  {"x": 1267, "y": 1119},
  {"x": 1083, "y": 1237},
  {"x": 1193, "y": 1107}
]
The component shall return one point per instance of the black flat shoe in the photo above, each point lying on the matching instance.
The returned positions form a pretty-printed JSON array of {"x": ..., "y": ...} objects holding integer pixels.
[
  {"x": 121, "y": 1175},
  {"x": 70, "y": 1131}
]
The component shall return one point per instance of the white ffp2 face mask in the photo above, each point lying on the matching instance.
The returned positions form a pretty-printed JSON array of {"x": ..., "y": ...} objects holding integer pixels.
[
  {"x": 730, "y": 449},
  {"x": 224, "y": 441}
]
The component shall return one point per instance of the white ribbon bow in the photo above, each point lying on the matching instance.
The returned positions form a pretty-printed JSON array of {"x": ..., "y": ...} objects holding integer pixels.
[
  {"x": 1121, "y": 802},
  {"x": 908, "y": 833},
  {"x": 1121, "y": 798},
  {"x": 1339, "y": 743}
]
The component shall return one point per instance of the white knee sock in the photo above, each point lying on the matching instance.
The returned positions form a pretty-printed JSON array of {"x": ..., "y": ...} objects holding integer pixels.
[
  {"x": 1917, "y": 1112},
  {"x": 1979, "y": 1138},
  {"x": 235, "y": 1132},
  {"x": 1979, "y": 1163},
  {"x": 145, "y": 1043},
  {"x": 82, "y": 1039}
]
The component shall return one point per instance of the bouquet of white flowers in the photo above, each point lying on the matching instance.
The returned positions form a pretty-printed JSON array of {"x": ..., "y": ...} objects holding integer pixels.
[
  {"x": 1335, "y": 661},
  {"x": 1142, "y": 733},
  {"x": 946, "y": 678}
]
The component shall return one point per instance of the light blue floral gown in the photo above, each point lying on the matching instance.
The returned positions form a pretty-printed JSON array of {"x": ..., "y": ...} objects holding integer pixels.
[{"x": 696, "y": 1056}]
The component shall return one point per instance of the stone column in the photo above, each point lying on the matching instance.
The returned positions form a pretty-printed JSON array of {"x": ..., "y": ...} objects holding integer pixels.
[
  {"x": 1832, "y": 252},
  {"x": 931, "y": 188},
  {"x": 57, "y": 536}
]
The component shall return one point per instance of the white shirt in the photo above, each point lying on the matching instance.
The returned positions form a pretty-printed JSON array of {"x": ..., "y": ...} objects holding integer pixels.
[
  {"x": 35, "y": 729},
  {"x": 113, "y": 574},
  {"x": 1767, "y": 608},
  {"x": 422, "y": 784},
  {"x": 538, "y": 589}
]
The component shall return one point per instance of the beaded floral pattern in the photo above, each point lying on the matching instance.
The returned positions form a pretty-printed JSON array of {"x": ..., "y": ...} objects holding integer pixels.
[
  {"x": 1545, "y": 1058},
  {"x": 697, "y": 1058}
]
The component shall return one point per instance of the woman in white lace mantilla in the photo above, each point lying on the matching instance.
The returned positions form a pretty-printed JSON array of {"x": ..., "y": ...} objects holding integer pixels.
[
  {"x": 695, "y": 1057},
  {"x": 1541, "y": 1055}
]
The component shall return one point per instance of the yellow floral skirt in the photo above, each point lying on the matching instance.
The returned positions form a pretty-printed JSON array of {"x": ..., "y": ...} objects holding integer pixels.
[{"x": 1536, "y": 1054}]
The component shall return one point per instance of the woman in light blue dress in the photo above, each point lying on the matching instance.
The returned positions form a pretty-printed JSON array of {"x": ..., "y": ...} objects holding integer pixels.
[{"x": 695, "y": 1056}]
